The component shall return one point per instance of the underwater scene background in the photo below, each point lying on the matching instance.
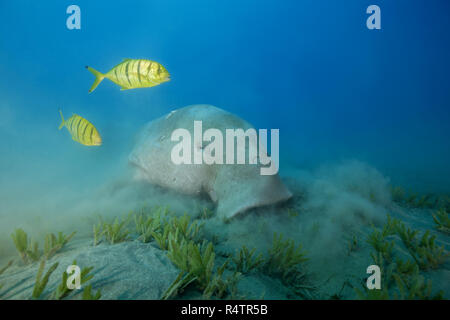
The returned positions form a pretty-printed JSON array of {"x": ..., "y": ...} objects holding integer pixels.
[{"x": 364, "y": 134}]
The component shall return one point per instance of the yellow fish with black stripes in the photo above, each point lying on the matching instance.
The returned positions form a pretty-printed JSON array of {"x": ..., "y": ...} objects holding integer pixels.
[
  {"x": 132, "y": 74},
  {"x": 81, "y": 130}
]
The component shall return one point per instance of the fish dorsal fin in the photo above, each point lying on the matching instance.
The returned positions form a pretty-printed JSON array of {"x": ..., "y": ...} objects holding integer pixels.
[{"x": 126, "y": 59}]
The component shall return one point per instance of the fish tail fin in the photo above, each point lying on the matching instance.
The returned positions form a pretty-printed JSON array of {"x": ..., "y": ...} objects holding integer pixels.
[
  {"x": 63, "y": 122},
  {"x": 98, "y": 78}
]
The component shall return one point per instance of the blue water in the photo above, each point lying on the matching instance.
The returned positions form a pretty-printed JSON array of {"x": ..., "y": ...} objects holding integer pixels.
[{"x": 335, "y": 89}]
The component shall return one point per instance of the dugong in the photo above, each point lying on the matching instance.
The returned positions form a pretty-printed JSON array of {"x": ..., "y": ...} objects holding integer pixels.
[{"x": 235, "y": 188}]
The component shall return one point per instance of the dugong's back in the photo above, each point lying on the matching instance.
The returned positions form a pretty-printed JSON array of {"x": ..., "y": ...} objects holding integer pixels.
[{"x": 236, "y": 187}]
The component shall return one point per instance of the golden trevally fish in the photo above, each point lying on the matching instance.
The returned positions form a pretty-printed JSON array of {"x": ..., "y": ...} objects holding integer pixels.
[
  {"x": 133, "y": 73},
  {"x": 81, "y": 130}
]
